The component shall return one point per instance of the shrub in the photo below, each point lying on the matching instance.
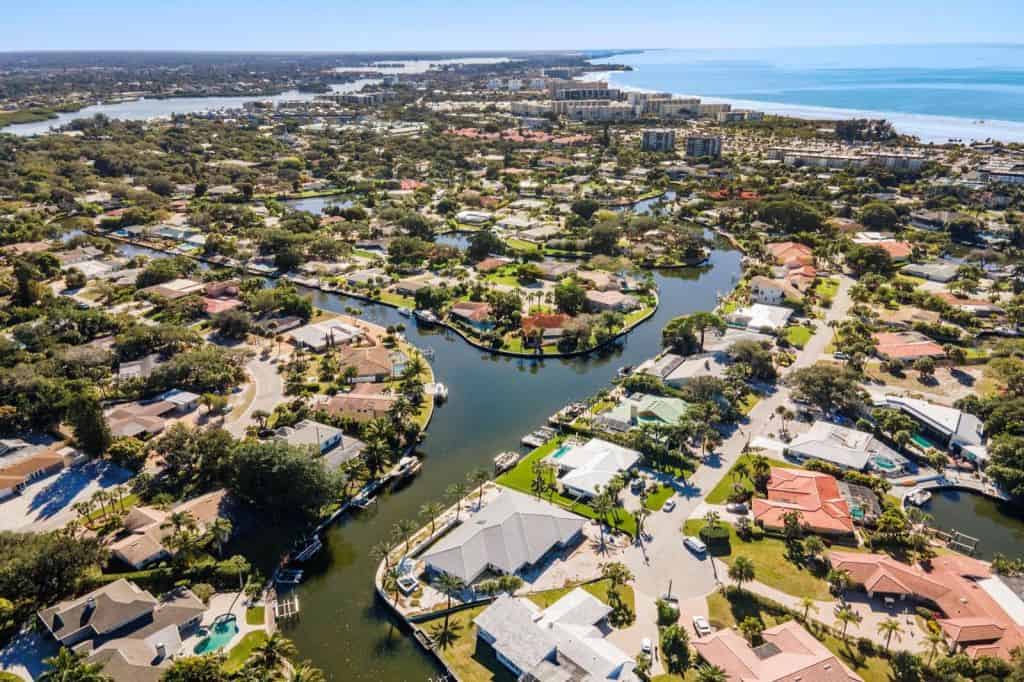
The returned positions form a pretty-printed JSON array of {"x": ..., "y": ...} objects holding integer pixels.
[
  {"x": 715, "y": 535},
  {"x": 667, "y": 613}
]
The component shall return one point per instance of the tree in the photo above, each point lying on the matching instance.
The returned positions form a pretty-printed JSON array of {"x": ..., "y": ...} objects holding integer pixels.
[
  {"x": 219, "y": 533},
  {"x": 828, "y": 387},
  {"x": 865, "y": 259},
  {"x": 68, "y": 666},
  {"x": 272, "y": 653},
  {"x": 570, "y": 297},
  {"x": 457, "y": 491},
  {"x": 675, "y": 648},
  {"x": 879, "y": 216},
  {"x": 477, "y": 478},
  {"x": 701, "y": 321},
  {"x": 585, "y": 208},
  {"x": 232, "y": 324},
  {"x": 925, "y": 367},
  {"x": 751, "y": 627},
  {"x": 846, "y": 615},
  {"x": 707, "y": 672},
  {"x": 936, "y": 641},
  {"x": 207, "y": 668},
  {"x": 742, "y": 571},
  {"x": 906, "y": 667},
  {"x": 808, "y": 605},
  {"x": 890, "y": 627},
  {"x": 431, "y": 511},
  {"x": 90, "y": 425},
  {"x": 305, "y": 672},
  {"x": 450, "y": 586}
]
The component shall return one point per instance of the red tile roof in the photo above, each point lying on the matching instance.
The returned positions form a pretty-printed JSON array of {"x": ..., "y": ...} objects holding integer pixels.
[
  {"x": 906, "y": 345},
  {"x": 785, "y": 253},
  {"x": 552, "y": 321},
  {"x": 814, "y": 495}
]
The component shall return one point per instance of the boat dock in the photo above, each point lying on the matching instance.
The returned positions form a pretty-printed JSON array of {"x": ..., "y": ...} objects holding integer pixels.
[
  {"x": 538, "y": 437},
  {"x": 505, "y": 461},
  {"x": 286, "y": 606}
]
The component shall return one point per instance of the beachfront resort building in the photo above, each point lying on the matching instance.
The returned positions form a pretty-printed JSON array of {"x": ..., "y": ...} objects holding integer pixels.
[
  {"x": 511, "y": 533},
  {"x": 565, "y": 641},
  {"x": 584, "y": 470}
]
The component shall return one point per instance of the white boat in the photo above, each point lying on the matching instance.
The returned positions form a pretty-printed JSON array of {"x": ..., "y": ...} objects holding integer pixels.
[
  {"x": 404, "y": 312},
  {"x": 919, "y": 497},
  {"x": 425, "y": 316}
]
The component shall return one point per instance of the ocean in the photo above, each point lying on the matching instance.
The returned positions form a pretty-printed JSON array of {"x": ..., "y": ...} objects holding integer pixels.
[{"x": 936, "y": 92}]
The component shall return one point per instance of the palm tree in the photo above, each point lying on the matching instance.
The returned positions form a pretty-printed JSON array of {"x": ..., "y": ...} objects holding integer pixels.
[
  {"x": 219, "y": 532},
  {"x": 67, "y": 666},
  {"x": 432, "y": 510},
  {"x": 406, "y": 527},
  {"x": 381, "y": 552},
  {"x": 711, "y": 673},
  {"x": 305, "y": 672},
  {"x": 261, "y": 417},
  {"x": 936, "y": 640},
  {"x": 477, "y": 478},
  {"x": 890, "y": 627},
  {"x": 602, "y": 507},
  {"x": 273, "y": 652},
  {"x": 450, "y": 586},
  {"x": 457, "y": 491},
  {"x": 847, "y": 615},
  {"x": 808, "y": 605},
  {"x": 742, "y": 571}
]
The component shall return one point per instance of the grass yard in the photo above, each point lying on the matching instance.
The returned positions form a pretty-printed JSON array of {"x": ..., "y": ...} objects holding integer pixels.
[
  {"x": 637, "y": 315},
  {"x": 654, "y": 502},
  {"x": 770, "y": 563},
  {"x": 255, "y": 615},
  {"x": 522, "y": 245},
  {"x": 241, "y": 651},
  {"x": 748, "y": 402},
  {"x": 397, "y": 299},
  {"x": 798, "y": 335},
  {"x": 521, "y": 476},
  {"x": 827, "y": 289},
  {"x": 598, "y": 588},
  {"x": 125, "y": 504},
  {"x": 720, "y": 493}
]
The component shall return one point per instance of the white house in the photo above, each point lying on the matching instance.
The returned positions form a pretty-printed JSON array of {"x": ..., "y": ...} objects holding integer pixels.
[{"x": 586, "y": 469}]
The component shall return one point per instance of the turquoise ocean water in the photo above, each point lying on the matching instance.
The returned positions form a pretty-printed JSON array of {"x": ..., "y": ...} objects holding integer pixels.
[{"x": 935, "y": 92}]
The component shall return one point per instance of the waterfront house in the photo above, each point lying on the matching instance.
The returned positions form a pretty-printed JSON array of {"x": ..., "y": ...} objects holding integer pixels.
[
  {"x": 174, "y": 289},
  {"x": 906, "y": 346},
  {"x": 660, "y": 367},
  {"x": 980, "y": 611},
  {"x": 814, "y": 496},
  {"x": 695, "y": 366},
  {"x": 373, "y": 364},
  {"x": 131, "y": 634},
  {"x": 585, "y": 470},
  {"x": 945, "y": 426},
  {"x": 511, "y": 533},
  {"x": 773, "y": 291},
  {"x": 790, "y": 253},
  {"x": 761, "y": 317},
  {"x": 550, "y": 326},
  {"x": 845, "y": 447},
  {"x": 320, "y": 335},
  {"x": 641, "y": 409},
  {"x": 562, "y": 642},
  {"x": 476, "y": 314},
  {"x": 363, "y": 403},
  {"x": 616, "y": 301},
  {"x": 788, "y": 654},
  {"x": 320, "y": 437}
]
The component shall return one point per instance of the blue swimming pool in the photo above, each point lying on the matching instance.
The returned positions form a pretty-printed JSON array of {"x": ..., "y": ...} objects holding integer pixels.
[
  {"x": 562, "y": 449},
  {"x": 218, "y": 636}
]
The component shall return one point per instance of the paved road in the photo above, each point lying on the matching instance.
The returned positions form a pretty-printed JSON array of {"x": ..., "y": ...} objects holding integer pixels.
[
  {"x": 269, "y": 392},
  {"x": 662, "y": 559}
]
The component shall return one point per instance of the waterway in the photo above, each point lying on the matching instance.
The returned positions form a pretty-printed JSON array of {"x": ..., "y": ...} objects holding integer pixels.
[
  {"x": 998, "y": 526},
  {"x": 148, "y": 109},
  {"x": 494, "y": 400}
]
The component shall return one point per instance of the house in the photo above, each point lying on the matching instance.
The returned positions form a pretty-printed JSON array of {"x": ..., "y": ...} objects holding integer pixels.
[
  {"x": 142, "y": 419},
  {"x": 845, "y": 447},
  {"x": 787, "y": 253},
  {"x": 373, "y": 364},
  {"x": 641, "y": 409},
  {"x": 602, "y": 281},
  {"x": 761, "y": 317},
  {"x": 549, "y": 325},
  {"x": 367, "y": 278},
  {"x": 132, "y": 635},
  {"x": 22, "y": 462},
  {"x": 146, "y": 529},
  {"x": 980, "y": 610},
  {"x": 473, "y": 217},
  {"x": 660, "y": 367},
  {"x": 513, "y": 532},
  {"x": 585, "y": 470},
  {"x": 947, "y": 426},
  {"x": 616, "y": 301},
  {"x": 789, "y": 653},
  {"x": 773, "y": 291},
  {"x": 307, "y": 432},
  {"x": 906, "y": 316},
  {"x": 554, "y": 271},
  {"x": 320, "y": 335},
  {"x": 565, "y": 641},
  {"x": 815, "y": 496},
  {"x": 363, "y": 403},
  {"x": 175, "y": 289},
  {"x": 488, "y": 265},
  {"x": 476, "y": 314},
  {"x": 410, "y": 285},
  {"x": 974, "y": 306},
  {"x": 701, "y": 365},
  {"x": 906, "y": 346},
  {"x": 940, "y": 271}
]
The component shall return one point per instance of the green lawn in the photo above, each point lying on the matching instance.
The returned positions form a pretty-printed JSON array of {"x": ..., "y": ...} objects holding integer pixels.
[
  {"x": 655, "y": 501},
  {"x": 521, "y": 476},
  {"x": 241, "y": 651},
  {"x": 827, "y": 289},
  {"x": 798, "y": 335},
  {"x": 129, "y": 501},
  {"x": 521, "y": 245},
  {"x": 720, "y": 493},
  {"x": 748, "y": 402},
  {"x": 397, "y": 299},
  {"x": 637, "y": 315},
  {"x": 599, "y": 589},
  {"x": 770, "y": 563},
  {"x": 255, "y": 615}
]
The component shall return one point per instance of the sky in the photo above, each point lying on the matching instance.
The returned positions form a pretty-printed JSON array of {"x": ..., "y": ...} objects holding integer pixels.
[{"x": 452, "y": 25}]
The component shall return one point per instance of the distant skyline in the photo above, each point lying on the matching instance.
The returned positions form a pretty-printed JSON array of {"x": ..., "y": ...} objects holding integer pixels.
[{"x": 447, "y": 25}]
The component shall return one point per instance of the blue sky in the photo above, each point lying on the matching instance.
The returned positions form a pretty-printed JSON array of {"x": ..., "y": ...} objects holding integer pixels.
[{"x": 445, "y": 25}]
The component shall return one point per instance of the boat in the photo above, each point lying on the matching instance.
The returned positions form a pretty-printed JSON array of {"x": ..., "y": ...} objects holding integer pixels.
[
  {"x": 288, "y": 576},
  {"x": 440, "y": 392},
  {"x": 919, "y": 498},
  {"x": 405, "y": 312},
  {"x": 425, "y": 316},
  {"x": 407, "y": 468},
  {"x": 505, "y": 461},
  {"x": 625, "y": 371}
]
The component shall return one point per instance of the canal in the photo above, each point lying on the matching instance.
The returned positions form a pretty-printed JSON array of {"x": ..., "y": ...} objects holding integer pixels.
[
  {"x": 493, "y": 401},
  {"x": 999, "y": 526}
]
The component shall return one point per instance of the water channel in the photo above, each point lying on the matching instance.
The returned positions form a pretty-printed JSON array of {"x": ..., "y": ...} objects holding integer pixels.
[
  {"x": 999, "y": 526},
  {"x": 493, "y": 402}
]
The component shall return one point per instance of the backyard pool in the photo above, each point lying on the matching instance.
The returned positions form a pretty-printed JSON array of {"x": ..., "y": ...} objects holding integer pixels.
[
  {"x": 562, "y": 449},
  {"x": 885, "y": 464},
  {"x": 217, "y": 637},
  {"x": 923, "y": 442}
]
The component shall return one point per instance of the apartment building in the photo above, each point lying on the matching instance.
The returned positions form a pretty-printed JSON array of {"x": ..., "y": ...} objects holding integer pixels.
[
  {"x": 698, "y": 146},
  {"x": 658, "y": 140}
]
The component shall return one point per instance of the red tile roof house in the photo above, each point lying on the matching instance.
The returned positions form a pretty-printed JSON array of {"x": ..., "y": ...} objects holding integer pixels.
[
  {"x": 550, "y": 326},
  {"x": 907, "y": 346},
  {"x": 610, "y": 300},
  {"x": 476, "y": 314},
  {"x": 789, "y": 654},
  {"x": 973, "y": 602},
  {"x": 897, "y": 250},
  {"x": 786, "y": 253},
  {"x": 815, "y": 496},
  {"x": 491, "y": 264}
]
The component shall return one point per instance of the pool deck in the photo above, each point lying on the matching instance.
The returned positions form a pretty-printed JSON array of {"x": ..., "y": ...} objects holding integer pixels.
[{"x": 219, "y": 605}]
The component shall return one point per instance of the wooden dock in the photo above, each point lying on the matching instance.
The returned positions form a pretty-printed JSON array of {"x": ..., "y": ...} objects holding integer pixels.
[{"x": 286, "y": 606}]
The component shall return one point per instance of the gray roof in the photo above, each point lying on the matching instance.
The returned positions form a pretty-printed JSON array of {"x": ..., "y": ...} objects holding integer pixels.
[
  {"x": 101, "y": 611},
  {"x": 513, "y": 530},
  {"x": 840, "y": 445},
  {"x": 510, "y": 621}
]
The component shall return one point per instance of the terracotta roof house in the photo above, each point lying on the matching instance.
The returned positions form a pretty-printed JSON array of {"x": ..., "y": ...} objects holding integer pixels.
[
  {"x": 786, "y": 253},
  {"x": 554, "y": 270},
  {"x": 906, "y": 346},
  {"x": 982, "y": 613},
  {"x": 476, "y": 314},
  {"x": 975, "y": 306},
  {"x": 815, "y": 496},
  {"x": 491, "y": 264},
  {"x": 373, "y": 364},
  {"x": 363, "y": 403},
  {"x": 789, "y": 654},
  {"x": 550, "y": 325},
  {"x": 897, "y": 250}
]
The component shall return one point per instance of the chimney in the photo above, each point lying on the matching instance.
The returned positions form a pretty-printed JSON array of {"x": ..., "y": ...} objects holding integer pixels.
[{"x": 161, "y": 650}]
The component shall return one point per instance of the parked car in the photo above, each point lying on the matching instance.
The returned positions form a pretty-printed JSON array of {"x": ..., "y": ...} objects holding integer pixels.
[
  {"x": 637, "y": 486},
  {"x": 701, "y": 626},
  {"x": 668, "y": 506},
  {"x": 645, "y": 645},
  {"x": 736, "y": 508},
  {"x": 838, "y": 355},
  {"x": 695, "y": 545}
]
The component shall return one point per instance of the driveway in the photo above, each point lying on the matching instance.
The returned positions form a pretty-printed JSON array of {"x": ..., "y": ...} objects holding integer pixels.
[
  {"x": 269, "y": 392},
  {"x": 47, "y": 504}
]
